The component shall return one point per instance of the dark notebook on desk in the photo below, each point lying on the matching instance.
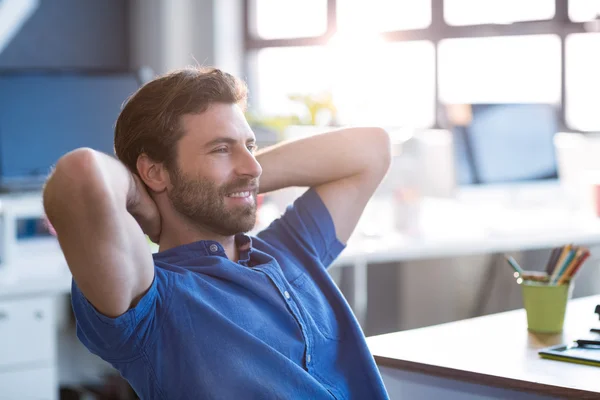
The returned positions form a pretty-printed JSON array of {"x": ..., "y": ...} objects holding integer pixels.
[{"x": 572, "y": 353}]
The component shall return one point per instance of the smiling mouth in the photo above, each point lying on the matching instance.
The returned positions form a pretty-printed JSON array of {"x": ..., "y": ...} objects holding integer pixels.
[{"x": 240, "y": 194}]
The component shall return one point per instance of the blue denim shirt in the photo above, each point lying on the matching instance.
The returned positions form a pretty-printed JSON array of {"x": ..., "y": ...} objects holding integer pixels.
[{"x": 271, "y": 326}]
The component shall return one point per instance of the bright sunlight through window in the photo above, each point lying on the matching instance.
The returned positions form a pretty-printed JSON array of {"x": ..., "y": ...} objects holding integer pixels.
[
  {"x": 500, "y": 70},
  {"x": 477, "y": 12}
]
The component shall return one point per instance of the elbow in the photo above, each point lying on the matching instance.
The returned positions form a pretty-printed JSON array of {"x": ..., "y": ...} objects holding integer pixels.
[
  {"x": 76, "y": 160},
  {"x": 68, "y": 179},
  {"x": 381, "y": 154},
  {"x": 71, "y": 170}
]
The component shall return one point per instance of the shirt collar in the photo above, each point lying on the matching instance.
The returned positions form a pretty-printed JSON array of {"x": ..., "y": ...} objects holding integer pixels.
[{"x": 203, "y": 248}]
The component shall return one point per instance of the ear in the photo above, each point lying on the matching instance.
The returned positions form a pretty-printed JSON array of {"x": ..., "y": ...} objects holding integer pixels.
[{"x": 152, "y": 173}]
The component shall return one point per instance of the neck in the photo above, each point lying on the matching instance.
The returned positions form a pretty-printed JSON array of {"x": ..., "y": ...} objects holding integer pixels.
[{"x": 176, "y": 231}]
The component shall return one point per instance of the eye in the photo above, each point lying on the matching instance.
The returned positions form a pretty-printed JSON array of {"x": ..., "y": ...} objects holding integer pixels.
[
  {"x": 221, "y": 150},
  {"x": 252, "y": 147}
]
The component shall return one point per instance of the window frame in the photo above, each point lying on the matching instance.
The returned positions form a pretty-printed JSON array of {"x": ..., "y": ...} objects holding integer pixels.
[{"x": 438, "y": 30}]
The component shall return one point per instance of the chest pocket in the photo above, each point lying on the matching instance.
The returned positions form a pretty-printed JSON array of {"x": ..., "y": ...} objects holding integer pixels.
[{"x": 318, "y": 308}]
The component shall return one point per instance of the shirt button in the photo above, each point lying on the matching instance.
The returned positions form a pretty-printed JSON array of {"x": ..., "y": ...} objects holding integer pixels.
[
  {"x": 286, "y": 294},
  {"x": 308, "y": 358},
  {"x": 213, "y": 248}
]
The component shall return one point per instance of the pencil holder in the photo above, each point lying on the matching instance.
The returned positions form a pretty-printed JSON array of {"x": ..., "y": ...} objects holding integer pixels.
[{"x": 546, "y": 305}]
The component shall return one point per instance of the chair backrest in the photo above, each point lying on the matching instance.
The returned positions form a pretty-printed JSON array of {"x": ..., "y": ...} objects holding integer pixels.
[{"x": 506, "y": 143}]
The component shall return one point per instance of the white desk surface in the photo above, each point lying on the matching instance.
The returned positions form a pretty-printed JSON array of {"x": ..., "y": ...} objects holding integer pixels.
[
  {"x": 477, "y": 221},
  {"x": 496, "y": 350}
]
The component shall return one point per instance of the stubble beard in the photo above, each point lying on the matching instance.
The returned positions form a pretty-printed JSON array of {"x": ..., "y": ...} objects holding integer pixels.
[{"x": 203, "y": 203}]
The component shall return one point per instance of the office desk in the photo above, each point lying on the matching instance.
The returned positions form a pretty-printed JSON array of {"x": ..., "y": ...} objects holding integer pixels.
[
  {"x": 487, "y": 357},
  {"x": 488, "y": 219},
  {"x": 480, "y": 220}
]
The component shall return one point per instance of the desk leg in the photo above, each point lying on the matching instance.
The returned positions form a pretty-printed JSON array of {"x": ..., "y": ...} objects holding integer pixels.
[{"x": 359, "y": 294}]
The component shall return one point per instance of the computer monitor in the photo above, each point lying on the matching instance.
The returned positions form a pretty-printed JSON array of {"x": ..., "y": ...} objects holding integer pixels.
[
  {"x": 45, "y": 114},
  {"x": 501, "y": 143}
]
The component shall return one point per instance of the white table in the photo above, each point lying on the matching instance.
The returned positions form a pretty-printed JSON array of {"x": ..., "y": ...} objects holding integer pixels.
[{"x": 489, "y": 357}]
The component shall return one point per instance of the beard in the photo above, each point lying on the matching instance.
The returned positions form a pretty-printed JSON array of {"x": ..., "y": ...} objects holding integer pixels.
[{"x": 203, "y": 203}]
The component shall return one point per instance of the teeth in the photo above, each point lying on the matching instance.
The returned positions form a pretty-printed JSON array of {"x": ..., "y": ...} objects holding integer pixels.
[{"x": 240, "y": 194}]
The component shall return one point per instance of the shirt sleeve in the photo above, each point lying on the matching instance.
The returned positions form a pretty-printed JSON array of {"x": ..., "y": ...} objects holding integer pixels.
[
  {"x": 306, "y": 226},
  {"x": 124, "y": 337}
]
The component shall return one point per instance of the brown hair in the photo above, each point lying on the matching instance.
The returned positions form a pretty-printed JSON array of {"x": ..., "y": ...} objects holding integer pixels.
[{"x": 150, "y": 120}]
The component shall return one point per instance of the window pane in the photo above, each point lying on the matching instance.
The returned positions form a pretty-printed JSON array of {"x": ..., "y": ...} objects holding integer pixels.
[
  {"x": 383, "y": 15},
  {"x": 476, "y": 12},
  {"x": 522, "y": 69},
  {"x": 381, "y": 88},
  {"x": 279, "y": 19},
  {"x": 582, "y": 81},
  {"x": 583, "y": 10},
  {"x": 284, "y": 71}
]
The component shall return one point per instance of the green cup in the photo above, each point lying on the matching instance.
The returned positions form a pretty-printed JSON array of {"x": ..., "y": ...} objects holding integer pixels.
[{"x": 545, "y": 305}]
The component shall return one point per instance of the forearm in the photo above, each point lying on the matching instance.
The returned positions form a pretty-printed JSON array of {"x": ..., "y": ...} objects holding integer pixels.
[
  {"x": 324, "y": 158},
  {"x": 86, "y": 199}
]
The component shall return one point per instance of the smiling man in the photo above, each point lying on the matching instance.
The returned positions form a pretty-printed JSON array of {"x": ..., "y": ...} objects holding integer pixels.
[{"x": 216, "y": 313}]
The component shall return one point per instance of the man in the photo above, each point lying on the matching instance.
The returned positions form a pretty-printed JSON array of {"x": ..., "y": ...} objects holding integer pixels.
[{"x": 215, "y": 313}]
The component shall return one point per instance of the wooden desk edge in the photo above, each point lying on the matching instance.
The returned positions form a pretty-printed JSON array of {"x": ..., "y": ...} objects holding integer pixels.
[{"x": 485, "y": 379}]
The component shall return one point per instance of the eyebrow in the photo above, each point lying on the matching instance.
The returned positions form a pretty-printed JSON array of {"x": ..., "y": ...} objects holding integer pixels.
[{"x": 226, "y": 140}]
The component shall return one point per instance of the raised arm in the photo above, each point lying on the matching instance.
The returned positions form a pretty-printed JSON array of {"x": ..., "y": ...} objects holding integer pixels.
[
  {"x": 344, "y": 166},
  {"x": 91, "y": 200}
]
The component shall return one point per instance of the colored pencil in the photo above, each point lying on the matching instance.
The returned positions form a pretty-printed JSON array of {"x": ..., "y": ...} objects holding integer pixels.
[
  {"x": 563, "y": 256},
  {"x": 569, "y": 269},
  {"x": 515, "y": 265},
  {"x": 553, "y": 259},
  {"x": 564, "y": 263},
  {"x": 562, "y": 268},
  {"x": 578, "y": 266}
]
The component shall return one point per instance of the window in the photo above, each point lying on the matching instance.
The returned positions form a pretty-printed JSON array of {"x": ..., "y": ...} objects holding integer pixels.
[
  {"x": 389, "y": 84},
  {"x": 396, "y": 63},
  {"x": 523, "y": 69},
  {"x": 383, "y": 15},
  {"x": 476, "y": 12},
  {"x": 284, "y": 71},
  {"x": 582, "y": 81},
  {"x": 279, "y": 19},
  {"x": 583, "y": 10}
]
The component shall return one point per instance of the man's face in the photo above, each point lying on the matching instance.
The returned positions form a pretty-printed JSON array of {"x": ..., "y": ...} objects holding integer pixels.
[{"x": 216, "y": 180}]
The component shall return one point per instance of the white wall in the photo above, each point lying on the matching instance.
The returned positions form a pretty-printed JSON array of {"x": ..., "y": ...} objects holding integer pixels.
[{"x": 169, "y": 34}]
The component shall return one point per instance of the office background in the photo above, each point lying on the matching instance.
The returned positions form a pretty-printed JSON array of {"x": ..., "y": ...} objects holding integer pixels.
[{"x": 472, "y": 94}]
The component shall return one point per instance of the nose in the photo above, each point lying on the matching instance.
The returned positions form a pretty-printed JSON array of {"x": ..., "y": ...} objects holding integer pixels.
[{"x": 248, "y": 165}]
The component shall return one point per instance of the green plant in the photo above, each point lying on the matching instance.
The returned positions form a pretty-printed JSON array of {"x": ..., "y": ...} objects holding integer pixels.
[
  {"x": 316, "y": 104},
  {"x": 278, "y": 123}
]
